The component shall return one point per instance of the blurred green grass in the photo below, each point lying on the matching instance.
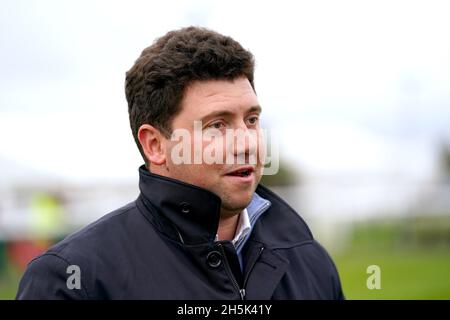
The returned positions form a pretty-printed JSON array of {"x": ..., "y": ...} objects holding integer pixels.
[
  {"x": 409, "y": 274},
  {"x": 413, "y": 254},
  {"x": 9, "y": 281}
]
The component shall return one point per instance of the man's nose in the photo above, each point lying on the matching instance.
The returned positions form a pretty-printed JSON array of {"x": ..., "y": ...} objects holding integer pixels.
[{"x": 245, "y": 141}]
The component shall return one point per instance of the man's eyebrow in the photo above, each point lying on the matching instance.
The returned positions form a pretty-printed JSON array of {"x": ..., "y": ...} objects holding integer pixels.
[
  {"x": 218, "y": 113},
  {"x": 254, "y": 109},
  {"x": 223, "y": 113}
]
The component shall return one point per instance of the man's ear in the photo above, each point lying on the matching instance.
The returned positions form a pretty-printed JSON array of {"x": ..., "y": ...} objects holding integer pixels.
[{"x": 151, "y": 141}]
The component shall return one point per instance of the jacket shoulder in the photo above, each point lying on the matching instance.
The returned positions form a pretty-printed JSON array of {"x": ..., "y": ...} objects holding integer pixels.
[
  {"x": 288, "y": 234},
  {"x": 47, "y": 278},
  {"x": 89, "y": 249},
  {"x": 95, "y": 231}
]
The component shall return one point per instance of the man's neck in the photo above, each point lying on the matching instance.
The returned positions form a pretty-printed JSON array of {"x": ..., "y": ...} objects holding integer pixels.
[{"x": 227, "y": 227}]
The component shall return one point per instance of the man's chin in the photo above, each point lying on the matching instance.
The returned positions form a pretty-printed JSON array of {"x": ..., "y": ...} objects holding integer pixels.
[{"x": 231, "y": 209}]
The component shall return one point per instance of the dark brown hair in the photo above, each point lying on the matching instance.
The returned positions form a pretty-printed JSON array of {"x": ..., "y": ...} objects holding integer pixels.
[{"x": 155, "y": 85}]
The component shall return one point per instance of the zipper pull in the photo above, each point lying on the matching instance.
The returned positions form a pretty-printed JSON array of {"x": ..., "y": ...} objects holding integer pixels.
[{"x": 242, "y": 292}]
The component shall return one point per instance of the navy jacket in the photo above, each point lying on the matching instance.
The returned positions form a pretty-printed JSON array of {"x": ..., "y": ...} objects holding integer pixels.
[{"x": 161, "y": 246}]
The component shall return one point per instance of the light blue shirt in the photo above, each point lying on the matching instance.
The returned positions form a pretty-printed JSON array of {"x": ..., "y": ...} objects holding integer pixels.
[{"x": 247, "y": 219}]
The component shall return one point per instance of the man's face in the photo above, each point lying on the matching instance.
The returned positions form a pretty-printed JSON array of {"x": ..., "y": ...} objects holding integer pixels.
[{"x": 229, "y": 114}]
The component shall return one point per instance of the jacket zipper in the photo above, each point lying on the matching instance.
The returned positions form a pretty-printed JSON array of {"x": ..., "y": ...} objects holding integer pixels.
[
  {"x": 230, "y": 274},
  {"x": 242, "y": 292},
  {"x": 251, "y": 268}
]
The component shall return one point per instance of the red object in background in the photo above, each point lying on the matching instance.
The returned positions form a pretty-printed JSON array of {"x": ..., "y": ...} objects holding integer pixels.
[{"x": 21, "y": 252}]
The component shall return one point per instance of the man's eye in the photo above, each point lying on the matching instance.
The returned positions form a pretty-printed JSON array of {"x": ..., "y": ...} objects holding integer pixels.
[
  {"x": 253, "y": 120},
  {"x": 217, "y": 125}
]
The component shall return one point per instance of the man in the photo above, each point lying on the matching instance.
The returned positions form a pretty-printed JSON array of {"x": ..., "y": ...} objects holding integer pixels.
[{"x": 200, "y": 229}]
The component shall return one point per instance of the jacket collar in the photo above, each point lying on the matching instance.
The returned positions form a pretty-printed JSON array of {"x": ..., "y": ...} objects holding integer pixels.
[
  {"x": 194, "y": 212},
  {"x": 191, "y": 214}
]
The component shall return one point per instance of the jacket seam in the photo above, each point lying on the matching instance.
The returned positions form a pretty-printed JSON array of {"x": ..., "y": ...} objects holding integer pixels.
[{"x": 290, "y": 246}]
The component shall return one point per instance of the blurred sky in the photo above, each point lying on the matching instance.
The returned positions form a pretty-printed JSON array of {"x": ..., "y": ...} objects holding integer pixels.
[{"x": 350, "y": 87}]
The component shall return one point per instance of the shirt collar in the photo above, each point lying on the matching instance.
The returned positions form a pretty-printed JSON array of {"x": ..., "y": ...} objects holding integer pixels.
[
  {"x": 247, "y": 219},
  {"x": 242, "y": 229}
]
